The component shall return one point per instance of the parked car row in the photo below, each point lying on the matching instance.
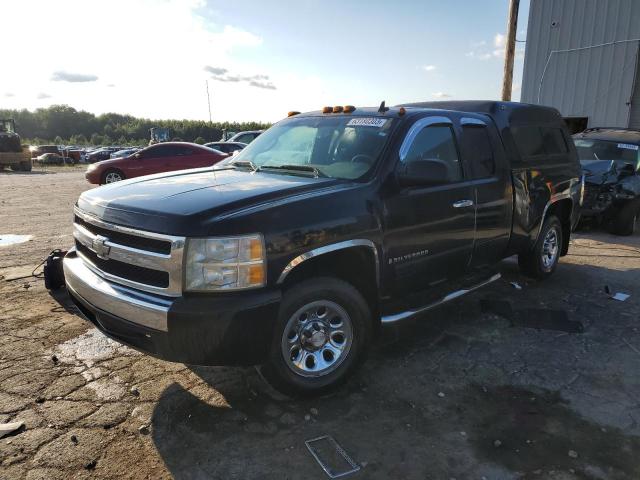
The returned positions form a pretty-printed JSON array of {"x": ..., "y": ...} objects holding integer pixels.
[{"x": 161, "y": 157}]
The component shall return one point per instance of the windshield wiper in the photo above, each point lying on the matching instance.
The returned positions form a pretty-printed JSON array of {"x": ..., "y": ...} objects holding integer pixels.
[
  {"x": 295, "y": 168},
  {"x": 244, "y": 163}
]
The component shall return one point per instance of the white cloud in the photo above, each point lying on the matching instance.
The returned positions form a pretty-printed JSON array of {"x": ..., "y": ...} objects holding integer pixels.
[
  {"x": 499, "y": 40},
  {"x": 157, "y": 64},
  {"x": 9, "y": 95},
  {"x": 441, "y": 95},
  {"x": 429, "y": 68},
  {"x": 481, "y": 43},
  {"x": 61, "y": 76}
]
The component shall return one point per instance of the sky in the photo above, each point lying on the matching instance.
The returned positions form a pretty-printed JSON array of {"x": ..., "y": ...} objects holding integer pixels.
[{"x": 260, "y": 58}]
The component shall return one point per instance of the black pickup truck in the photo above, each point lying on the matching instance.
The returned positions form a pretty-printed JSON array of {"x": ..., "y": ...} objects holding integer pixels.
[{"x": 293, "y": 253}]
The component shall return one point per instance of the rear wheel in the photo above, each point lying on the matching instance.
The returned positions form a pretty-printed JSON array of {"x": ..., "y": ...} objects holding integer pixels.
[
  {"x": 26, "y": 166},
  {"x": 112, "y": 176},
  {"x": 322, "y": 334},
  {"x": 626, "y": 221},
  {"x": 541, "y": 261}
]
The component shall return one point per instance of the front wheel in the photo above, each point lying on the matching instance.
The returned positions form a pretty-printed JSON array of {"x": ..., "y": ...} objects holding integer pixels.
[
  {"x": 112, "y": 176},
  {"x": 322, "y": 334},
  {"x": 542, "y": 260}
]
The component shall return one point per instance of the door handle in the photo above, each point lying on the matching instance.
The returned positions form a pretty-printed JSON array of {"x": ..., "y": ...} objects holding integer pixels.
[{"x": 463, "y": 203}]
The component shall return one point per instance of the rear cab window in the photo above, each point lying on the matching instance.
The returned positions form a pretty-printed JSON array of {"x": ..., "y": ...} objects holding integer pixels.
[
  {"x": 537, "y": 141},
  {"x": 477, "y": 149}
]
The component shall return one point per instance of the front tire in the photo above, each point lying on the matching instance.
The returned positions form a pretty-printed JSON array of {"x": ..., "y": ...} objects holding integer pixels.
[
  {"x": 541, "y": 261},
  {"x": 322, "y": 335},
  {"x": 112, "y": 176}
]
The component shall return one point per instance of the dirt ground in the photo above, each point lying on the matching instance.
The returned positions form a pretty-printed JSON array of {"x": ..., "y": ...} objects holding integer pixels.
[{"x": 469, "y": 391}]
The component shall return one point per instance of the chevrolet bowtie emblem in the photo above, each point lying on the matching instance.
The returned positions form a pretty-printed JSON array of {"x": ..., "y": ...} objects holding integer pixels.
[{"x": 99, "y": 245}]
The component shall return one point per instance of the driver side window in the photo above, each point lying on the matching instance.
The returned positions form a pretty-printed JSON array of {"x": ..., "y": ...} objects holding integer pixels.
[{"x": 435, "y": 147}]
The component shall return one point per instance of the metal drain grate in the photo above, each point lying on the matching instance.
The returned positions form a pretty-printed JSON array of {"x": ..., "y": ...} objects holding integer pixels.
[{"x": 335, "y": 462}]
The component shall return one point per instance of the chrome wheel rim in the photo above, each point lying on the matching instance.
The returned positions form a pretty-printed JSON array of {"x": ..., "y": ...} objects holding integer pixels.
[
  {"x": 112, "y": 177},
  {"x": 317, "y": 338},
  {"x": 550, "y": 249}
]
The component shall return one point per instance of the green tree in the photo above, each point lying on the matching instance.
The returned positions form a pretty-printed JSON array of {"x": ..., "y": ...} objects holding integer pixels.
[{"x": 200, "y": 141}]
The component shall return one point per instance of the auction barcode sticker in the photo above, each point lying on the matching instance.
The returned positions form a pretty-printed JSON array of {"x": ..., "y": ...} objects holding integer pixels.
[
  {"x": 367, "y": 122},
  {"x": 628, "y": 146}
]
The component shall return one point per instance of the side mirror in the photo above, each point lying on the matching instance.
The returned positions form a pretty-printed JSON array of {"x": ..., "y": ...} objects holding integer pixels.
[{"x": 423, "y": 172}]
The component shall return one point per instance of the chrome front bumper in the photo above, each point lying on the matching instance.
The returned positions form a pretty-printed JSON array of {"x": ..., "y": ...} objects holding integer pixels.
[{"x": 132, "y": 305}]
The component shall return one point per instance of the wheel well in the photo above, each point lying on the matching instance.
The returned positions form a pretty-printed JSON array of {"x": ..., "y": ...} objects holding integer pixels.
[
  {"x": 355, "y": 265},
  {"x": 562, "y": 209}
]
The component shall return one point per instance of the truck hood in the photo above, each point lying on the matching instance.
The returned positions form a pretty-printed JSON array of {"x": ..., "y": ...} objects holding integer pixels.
[
  {"x": 187, "y": 202},
  {"x": 600, "y": 173}
]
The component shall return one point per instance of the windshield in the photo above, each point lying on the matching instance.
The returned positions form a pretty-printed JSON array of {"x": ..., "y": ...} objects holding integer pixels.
[
  {"x": 342, "y": 147},
  {"x": 602, "y": 155}
]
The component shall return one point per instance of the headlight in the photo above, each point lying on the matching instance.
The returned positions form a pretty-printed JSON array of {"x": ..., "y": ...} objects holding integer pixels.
[{"x": 227, "y": 263}]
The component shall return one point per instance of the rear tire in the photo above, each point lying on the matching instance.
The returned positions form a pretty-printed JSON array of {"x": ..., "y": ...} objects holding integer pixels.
[
  {"x": 112, "y": 176},
  {"x": 541, "y": 261},
  {"x": 322, "y": 335},
  {"x": 626, "y": 221},
  {"x": 26, "y": 166}
]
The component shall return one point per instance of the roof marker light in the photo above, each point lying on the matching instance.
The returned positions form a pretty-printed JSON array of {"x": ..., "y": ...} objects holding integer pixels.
[
  {"x": 349, "y": 108},
  {"x": 337, "y": 109},
  {"x": 327, "y": 110},
  {"x": 292, "y": 113}
]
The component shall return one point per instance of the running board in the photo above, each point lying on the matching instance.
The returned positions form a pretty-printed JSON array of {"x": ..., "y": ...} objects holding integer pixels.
[{"x": 396, "y": 317}]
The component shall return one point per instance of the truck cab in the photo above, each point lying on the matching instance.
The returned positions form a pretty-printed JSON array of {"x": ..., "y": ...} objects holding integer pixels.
[{"x": 331, "y": 225}]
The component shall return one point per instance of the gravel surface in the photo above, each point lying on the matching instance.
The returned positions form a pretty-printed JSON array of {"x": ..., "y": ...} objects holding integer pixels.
[{"x": 467, "y": 391}]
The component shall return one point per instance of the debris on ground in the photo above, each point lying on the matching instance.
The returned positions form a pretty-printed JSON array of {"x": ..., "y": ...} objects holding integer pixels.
[
  {"x": 144, "y": 429},
  {"x": 8, "y": 428},
  {"x": 516, "y": 285},
  {"x": 620, "y": 296},
  {"x": 441, "y": 394},
  {"x": 497, "y": 443},
  {"x": 573, "y": 454},
  {"x": 134, "y": 391},
  {"x": 10, "y": 239}
]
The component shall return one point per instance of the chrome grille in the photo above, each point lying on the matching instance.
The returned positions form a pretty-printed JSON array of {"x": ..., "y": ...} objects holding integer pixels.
[{"x": 148, "y": 261}]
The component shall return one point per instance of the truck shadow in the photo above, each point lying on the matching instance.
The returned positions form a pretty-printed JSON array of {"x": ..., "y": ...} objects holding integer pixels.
[{"x": 430, "y": 402}]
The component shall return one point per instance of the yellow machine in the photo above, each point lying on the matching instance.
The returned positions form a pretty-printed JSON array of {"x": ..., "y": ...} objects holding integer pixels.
[{"x": 12, "y": 152}]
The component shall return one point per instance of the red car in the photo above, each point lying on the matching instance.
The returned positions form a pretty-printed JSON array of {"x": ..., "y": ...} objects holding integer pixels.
[{"x": 161, "y": 157}]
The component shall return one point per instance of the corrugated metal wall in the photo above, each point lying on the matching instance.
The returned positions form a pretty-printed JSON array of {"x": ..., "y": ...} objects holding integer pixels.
[{"x": 594, "y": 82}]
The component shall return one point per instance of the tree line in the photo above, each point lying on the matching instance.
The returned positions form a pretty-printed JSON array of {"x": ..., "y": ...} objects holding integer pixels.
[{"x": 64, "y": 125}]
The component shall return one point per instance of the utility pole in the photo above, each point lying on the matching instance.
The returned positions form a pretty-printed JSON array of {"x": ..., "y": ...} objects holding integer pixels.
[
  {"x": 510, "y": 50},
  {"x": 208, "y": 99}
]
